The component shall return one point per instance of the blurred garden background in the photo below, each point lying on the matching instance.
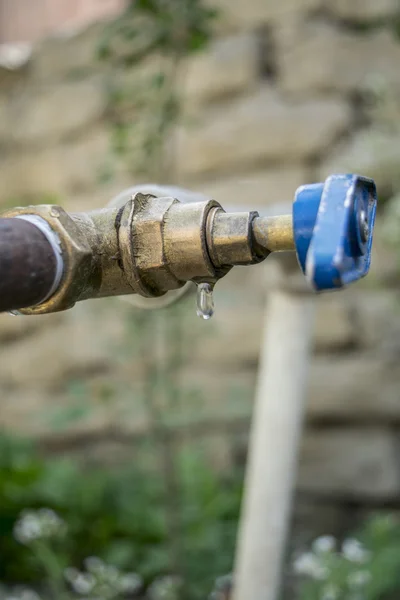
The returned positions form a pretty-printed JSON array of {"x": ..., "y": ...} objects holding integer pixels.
[{"x": 132, "y": 425}]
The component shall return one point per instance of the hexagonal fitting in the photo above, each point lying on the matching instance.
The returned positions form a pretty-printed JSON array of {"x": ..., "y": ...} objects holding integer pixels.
[
  {"x": 76, "y": 253},
  {"x": 141, "y": 245},
  {"x": 163, "y": 243}
]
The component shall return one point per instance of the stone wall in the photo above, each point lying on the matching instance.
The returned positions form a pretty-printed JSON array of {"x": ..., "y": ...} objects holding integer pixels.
[{"x": 281, "y": 98}]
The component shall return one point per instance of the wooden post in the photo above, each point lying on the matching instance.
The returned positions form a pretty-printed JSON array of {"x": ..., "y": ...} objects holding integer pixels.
[{"x": 274, "y": 439}]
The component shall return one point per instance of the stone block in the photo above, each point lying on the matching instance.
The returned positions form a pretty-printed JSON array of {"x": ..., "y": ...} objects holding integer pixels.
[
  {"x": 36, "y": 362},
  {"x": 22, "y": 411},
  {"x": 82, "y": 160},
  {"x": 260, "y": 128},
  {"x": 354, "y": 388},
  {"x": 27, "y": 175},
  {"x": 66, "y": 346},
  {"x": 238, "y": 14},
  {"x": 385, "y": 268},
  {"x": 377, "y": 319},
  {"x": 13, "y": 329},
  {"x": 62, "y": 56},
  {"x": 70, "y": 168},
  {"x": 319, "y": 57},
  {"x": 4, "y": 124},
  {"x": 256, "y": 189},
  {"x": 221, "y": 396},
  {"x": 335, "y": 327},
  {"x": 353, "y": 464},
  {"x": 236, "y": 340},
  {"x": 228, "y": 66},
  {"x": 312, "y": 518},
  {"x": 363, "y": 10},
  {"x": 53, "y": 415},
  {"x": 370, "y": 152},
  {"x": 49, "y": 113}
]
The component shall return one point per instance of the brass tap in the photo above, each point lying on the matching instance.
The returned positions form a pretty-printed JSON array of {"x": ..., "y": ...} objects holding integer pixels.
[{"x": 152, "y": 245}]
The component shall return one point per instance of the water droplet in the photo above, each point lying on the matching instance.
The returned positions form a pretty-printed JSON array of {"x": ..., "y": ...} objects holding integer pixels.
[
  {"x": 205, "y": 301},
  {"x": 54, "y": 212}
]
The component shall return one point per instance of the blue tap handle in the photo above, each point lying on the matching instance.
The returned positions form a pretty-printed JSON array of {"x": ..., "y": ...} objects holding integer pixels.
[{"x": 333, "y": 226}]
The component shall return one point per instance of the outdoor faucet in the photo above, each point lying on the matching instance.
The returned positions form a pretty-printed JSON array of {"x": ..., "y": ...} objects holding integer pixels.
[{"x": 50, "y": 259}]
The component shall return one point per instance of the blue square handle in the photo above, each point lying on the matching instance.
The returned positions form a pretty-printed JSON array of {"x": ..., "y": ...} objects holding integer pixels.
[{"x": 333, "y": 226}]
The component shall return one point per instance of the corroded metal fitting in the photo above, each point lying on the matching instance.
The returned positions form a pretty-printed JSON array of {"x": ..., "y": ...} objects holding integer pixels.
[
  {"x": 230, "y": 239},
  {"x": 163, "y": 244},
  {"x": 77, "y": 256},
  {"x": 149, "y": 246}
]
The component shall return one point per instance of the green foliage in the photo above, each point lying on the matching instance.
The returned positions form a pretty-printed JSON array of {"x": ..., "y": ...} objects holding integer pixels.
[
  {"x": 171, "y": 514},
  {"x": 119, "y": 515},
  {"x": 146, "y": 48},
  {"x": 167, "y": 27},
  {"x": 366, "y": 567}
]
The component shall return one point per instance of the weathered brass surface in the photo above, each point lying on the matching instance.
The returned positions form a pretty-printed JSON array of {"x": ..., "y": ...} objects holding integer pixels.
[
  {"x": 77, "y": 257},
  {"x": 153, "y": 245},
  {"x": 140, "y": 242},
  {"x": 104, "y": 278},
  {"x": 185, "y": 239},
  {"x": 230, "y": 238},
  {"x": 274, "y": 233}
]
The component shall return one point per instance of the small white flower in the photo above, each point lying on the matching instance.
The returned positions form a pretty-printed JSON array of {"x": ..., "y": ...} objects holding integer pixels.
[
  {"x": 130, "y": 583},
  {"x": 330, "y": 592},
  {"x": 95, "y": 565},
  {"x": 27, "y": 528},
  {"x": 23, "y": 594},
  {"x": 83, "y": 583},
  {"x": 71, "y": 574},
  {"x": 51, "y": 523},
  {"x": 359, "y": 579},
  {"x": 34, "y": 525},
  {"x": 101, "y": 580},
  {"x": 111, "y": 574},
  {"x": 324, "y": 544},
  {"x": 164, "y": 588},
  {"x": 354, "y": 551},
  {"x": 304, "y": 563},
  {"x": 104, "y": 591},
  {"x": 309, "y": 564}
]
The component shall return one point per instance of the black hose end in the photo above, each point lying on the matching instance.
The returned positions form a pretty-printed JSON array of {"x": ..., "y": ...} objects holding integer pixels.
[{"x": 27, "y": 265}]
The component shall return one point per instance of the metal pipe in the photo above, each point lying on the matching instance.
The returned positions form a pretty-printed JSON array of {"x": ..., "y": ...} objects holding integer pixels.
[
  {"x": 100, "y": 230},
  {"x": 150, "y": 246},
  {"x": 275, "y": 234},
  {"x": 28, "y": 265}
]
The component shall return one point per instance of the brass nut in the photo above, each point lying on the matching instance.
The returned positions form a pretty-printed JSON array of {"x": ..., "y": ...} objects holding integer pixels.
[
  {"x": 162, "y": 243},
  {"x": 76, "y": 254},
  {"x": 139, "y": 252},
  {"x": 148, "y": 240}
]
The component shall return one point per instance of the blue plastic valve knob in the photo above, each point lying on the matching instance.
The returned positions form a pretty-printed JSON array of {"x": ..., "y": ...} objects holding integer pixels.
[{"x": 333, "y": 225}]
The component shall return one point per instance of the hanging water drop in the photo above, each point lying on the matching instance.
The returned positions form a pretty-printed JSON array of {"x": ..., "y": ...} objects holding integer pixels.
[{"x": 205, "y": 301}]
